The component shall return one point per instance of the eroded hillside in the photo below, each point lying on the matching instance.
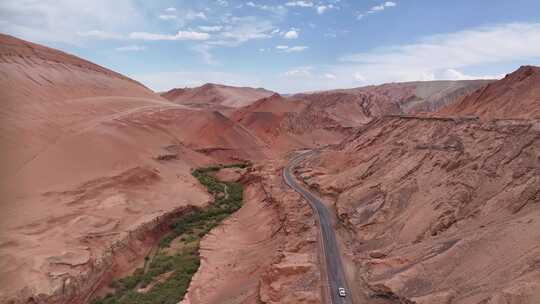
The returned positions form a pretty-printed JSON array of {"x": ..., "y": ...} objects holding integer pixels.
[
  {"x": 96, "y": 166},
  {"x": 439, "y": 209},
  {"x": 515, "y": 96},
  {"x": 360, "y": 105},
  {"x": 216, "y": 96}
]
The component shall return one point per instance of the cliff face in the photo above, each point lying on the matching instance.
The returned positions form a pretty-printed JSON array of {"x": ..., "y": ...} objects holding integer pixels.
[{"x": 440, "y": 210}]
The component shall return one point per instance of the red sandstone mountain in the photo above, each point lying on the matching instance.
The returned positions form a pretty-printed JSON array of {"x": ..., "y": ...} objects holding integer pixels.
[
  {"x": 217, "y": 96},
  {"x": 89, "y": 157},
  {"x": 515, "y": 96},
  {"x": 442, "y": 210},
  {"x": 286, "y": 124},
  {"x": 431, "y": 210},
  {"x": 360, "y": 105},
  {"x": 327, "y": 117}
]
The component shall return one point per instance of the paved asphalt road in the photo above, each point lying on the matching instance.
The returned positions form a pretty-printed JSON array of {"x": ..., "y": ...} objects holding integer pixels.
[{"x": 334, "y": 267}]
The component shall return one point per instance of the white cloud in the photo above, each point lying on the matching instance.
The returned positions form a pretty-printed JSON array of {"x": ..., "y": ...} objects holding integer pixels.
[
  {"x": 182, "y": 17},
  {"x": 277, "y": 9},
  {"x": 191, "y": 15},
  {"x": 452, "y": 74},
  {"x": 359, "y": 77},
  {"x": 204, "y": 51},
  {"x": 78, "y": 21},
  {"x": 299, "y": 4},
  {"x": 181, "y": 35},
  {"x": 377, "y": 8},
  {"x": 167, "y": 17},
  {"x": 223, "y": 3},
  {"x": 459, "y": 49},
  {"x": 299, "y": 48},
  {"x": 330, "y": 76},
  {"x": 242, "y": 29},
  {"x": 99, "y": 34},
  {"x": 303, "y": 72},
  {"x": 130, "y": 48},
  {"x": 65, "y": 20},
  {"x": 291, "y": 34},
  {"x": 240, "y": 36},
  {"x": 167, "y": 80},
  {"x": 383, "y": 6},
  {"x": 321, "y": 9},
  {"x": 292, "y": 49},
  {"x": 213, "y": 28},
  {"x": 330, "y": 35},
  {"x": 442, "y": 56}
]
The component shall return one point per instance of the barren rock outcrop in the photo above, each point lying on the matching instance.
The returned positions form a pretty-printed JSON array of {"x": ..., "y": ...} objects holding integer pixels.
[
  {"x": 265, "y": 253},
  {"x": 517, "y": 96},
  {"x": 441, "y": 210},
  {"x": 360, "y": 105}
]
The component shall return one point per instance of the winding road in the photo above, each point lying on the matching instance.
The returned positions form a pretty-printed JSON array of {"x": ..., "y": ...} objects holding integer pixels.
[{"x": 332, "y": 258}]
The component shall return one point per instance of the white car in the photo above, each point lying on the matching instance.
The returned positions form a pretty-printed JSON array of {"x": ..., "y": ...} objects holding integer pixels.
[{"x": 342, "y": 292}]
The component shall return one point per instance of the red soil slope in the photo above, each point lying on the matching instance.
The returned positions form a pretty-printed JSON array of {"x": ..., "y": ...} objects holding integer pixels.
[
  {"x": 360, "y": 105},
  {"x": 91, "y": 158},
  {"x": 287, "y": 123},
  {"x": 322, "y": 118},
  {"x": 440, "y": 210},
  {"x": 515, "y": 96},
  {"x": 216, "y": 96},
  {"x": 93, "y": 162}
]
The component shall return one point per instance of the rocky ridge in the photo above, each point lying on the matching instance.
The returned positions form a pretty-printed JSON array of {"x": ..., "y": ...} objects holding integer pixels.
[{"x": 439, "y": 209}]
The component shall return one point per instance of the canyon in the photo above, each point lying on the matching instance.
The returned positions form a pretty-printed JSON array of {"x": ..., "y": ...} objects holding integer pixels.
[{"x": 433, "y": 187}]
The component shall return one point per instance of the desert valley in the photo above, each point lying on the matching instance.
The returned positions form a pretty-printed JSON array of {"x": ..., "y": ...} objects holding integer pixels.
[{"x": 114, "y": 193}]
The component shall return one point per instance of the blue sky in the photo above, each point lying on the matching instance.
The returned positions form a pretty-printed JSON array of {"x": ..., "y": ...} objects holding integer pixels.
[{"x": 287, "y": 46}]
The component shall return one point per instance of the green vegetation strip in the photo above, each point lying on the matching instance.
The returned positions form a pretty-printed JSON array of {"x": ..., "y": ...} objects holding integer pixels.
[{"x": 167, "y": 274}]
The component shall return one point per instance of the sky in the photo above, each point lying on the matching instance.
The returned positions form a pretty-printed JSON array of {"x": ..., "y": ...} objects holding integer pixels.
[{"x": 285, "y": 45}]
